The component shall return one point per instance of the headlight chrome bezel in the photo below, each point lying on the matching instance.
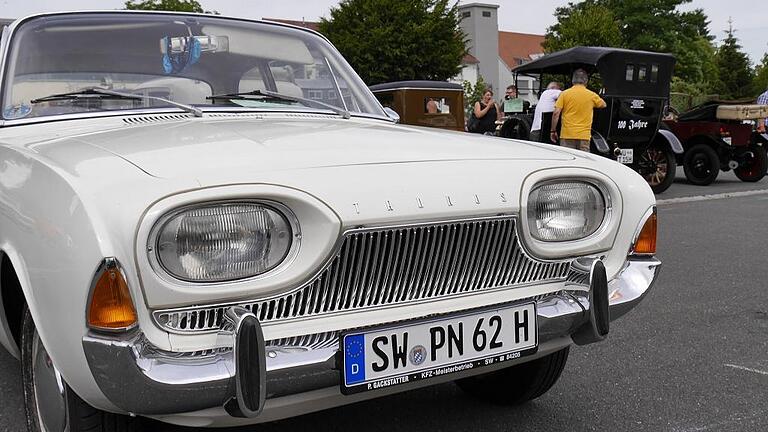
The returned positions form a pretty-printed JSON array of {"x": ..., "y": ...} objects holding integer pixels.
[
  {"x": 160, "y": 268},
  {"x": 601, "y": 190},
  {"x": 598, "y": 242}
]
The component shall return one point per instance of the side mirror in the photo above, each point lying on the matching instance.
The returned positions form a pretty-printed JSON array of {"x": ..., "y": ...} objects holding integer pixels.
[{"x": 392, "y": 114}]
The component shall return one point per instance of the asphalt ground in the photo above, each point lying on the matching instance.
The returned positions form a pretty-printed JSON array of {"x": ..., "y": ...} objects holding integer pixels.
[{"x": 693, "y": 356}]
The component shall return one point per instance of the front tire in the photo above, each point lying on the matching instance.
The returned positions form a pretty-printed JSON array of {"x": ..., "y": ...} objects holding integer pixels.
[
  {"x": 701, "y": 165},
  {"x": 50, "y": 405},
  {"x": 517, "y": 384}
]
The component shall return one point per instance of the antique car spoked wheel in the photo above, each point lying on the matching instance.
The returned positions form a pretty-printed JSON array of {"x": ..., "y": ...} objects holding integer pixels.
[
  {"x": 657, "y": 166},
  {"x": 51, "y": 406},
  {"x": 754, "y": 165},
  {"x": 701, "y": 165}
]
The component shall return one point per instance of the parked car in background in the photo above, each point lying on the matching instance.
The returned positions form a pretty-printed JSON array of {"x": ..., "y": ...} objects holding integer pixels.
[
  {"x": 184, "y": 236},
  {"x": 716, "y": 137},
  {"x": 635, "y": 85},
  {"x": 435, "y": 104}
]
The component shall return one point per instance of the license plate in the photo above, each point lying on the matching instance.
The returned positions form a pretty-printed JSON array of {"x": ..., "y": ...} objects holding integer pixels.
[
  {"x": 627, "y": 156},
  {"x": 728, "y": 140},
  {"x": 385, "y": 357}
]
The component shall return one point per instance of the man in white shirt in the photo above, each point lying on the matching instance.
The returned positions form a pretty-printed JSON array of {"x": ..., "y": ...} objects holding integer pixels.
[{"x": 546, "y": 105}]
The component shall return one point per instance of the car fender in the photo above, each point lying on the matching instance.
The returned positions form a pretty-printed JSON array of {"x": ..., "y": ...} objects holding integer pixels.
[
  {"x": 55, "y": 240},
  {"x": 600, "y": 142},
  {"x": 672, "y": 140}
]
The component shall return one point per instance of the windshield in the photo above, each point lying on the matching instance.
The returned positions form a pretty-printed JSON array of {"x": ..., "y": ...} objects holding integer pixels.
[{"x": 181, "y": 58}]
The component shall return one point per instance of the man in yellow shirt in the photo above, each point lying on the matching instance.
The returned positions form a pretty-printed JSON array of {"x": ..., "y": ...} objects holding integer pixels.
[{"x": 575, "y": 106}]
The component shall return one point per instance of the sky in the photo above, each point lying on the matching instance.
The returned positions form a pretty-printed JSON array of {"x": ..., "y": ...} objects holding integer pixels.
[{"x": 749, "y": 16}]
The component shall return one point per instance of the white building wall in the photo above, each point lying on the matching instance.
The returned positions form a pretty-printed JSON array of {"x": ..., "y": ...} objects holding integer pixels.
[
  {"x": 469, "y": 72},
  {"x": 480, "y": 23},
  {"x": 527, "y": 86}
]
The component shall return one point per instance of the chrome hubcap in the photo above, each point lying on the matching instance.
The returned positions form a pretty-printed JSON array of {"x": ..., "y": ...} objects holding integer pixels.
[{"x": 49, "y": 390}]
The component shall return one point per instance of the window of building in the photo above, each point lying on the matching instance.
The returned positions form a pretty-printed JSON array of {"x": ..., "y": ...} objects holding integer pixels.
[
  {"x": 630, "y": 75},
  {"x": 315, "y": 94},
  {"x": 466, "y": 14},
  {"x": 487, "y": 14}
]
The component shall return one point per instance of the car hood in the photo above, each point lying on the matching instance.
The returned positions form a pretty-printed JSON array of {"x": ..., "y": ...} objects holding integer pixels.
[{"x": 198, "y": 147}]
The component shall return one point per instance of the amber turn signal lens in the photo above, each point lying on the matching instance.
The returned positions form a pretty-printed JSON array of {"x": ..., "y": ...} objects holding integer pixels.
[
  {"x": 646, "y": 241},
  {"x": 111, "y": 305}
]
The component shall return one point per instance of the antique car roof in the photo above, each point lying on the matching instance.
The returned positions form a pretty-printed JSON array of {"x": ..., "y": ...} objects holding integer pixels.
[
  {"x": 416, "y": 84},
  {"x": 563, "y": 62}
]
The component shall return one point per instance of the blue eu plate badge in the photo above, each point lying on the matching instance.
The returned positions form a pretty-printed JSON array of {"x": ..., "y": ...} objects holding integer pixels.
[{"x": 354, "y": 359}]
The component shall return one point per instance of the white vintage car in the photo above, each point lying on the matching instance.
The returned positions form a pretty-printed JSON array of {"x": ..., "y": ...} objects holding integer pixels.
[{"x": 211, "y": 221}]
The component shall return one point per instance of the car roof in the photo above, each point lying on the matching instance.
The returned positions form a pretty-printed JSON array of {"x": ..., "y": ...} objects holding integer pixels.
[
  {"x": 416, "y": 84},
  {"x": 563, "y": 62}
]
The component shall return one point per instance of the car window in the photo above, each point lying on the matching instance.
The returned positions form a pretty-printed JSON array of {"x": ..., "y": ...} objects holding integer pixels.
[
  {"x": 435, "y": 105},
  {"x": 654, "y": 73},
  {"x": 184, "y": 61},
  {"x": 642, "y": 73},
  {"x": 630, "y": 72}
]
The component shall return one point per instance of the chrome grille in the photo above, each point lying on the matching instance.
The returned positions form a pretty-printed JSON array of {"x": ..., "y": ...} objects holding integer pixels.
[{"x": 388, "y": 266}]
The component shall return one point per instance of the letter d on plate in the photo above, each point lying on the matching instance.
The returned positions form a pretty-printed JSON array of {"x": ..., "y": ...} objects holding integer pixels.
[{"x": 354, "y": 358}]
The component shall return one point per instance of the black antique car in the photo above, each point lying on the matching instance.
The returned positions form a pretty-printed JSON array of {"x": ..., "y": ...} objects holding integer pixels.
[{"x": 635, "y": 85}]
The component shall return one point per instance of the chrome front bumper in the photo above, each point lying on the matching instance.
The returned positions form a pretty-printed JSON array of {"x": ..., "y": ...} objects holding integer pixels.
[{"x": 141, "y": 379}]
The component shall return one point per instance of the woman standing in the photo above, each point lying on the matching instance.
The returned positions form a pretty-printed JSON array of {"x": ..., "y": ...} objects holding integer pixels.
[{"x": 487, "y": 112}]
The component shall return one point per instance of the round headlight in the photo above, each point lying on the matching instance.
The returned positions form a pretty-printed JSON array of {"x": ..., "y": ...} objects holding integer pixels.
[
  {"x": 222, "y": 242},
  {"x": 565, "y": 211}
]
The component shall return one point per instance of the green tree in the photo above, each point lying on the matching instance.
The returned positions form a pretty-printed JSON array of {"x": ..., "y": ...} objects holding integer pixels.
[
  {"x": 392, "y": 40},
  {"x": 734, "y": 68},
  {"x": 587, "y": 24},
  {"x": 760, "y": 83},
  {"x": 653, "y": 25},
  {"x": 473, "y": 93},
  {"x": 167, "y": 5}
]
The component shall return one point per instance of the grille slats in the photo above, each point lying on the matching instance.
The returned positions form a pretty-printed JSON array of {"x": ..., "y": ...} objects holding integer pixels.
[{"x": 395, "y": 266}]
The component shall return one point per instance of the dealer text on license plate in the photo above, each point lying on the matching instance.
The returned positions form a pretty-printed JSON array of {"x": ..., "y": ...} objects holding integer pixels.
[
  {"x": 626, "y": 156},
  {"x": 383, "y": 357}
]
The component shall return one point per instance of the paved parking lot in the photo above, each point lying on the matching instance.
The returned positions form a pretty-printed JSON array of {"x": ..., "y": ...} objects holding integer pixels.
[{"x": 692, "y": 357}]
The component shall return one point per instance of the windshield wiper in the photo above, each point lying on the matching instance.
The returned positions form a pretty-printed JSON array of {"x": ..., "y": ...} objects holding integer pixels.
[
  {"x": 99, "y": 93},
  {"x": 266, "y": 94}
]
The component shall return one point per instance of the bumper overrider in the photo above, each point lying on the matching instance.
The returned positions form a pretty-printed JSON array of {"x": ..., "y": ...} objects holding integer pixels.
[{"x": 248, "y": 377}]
